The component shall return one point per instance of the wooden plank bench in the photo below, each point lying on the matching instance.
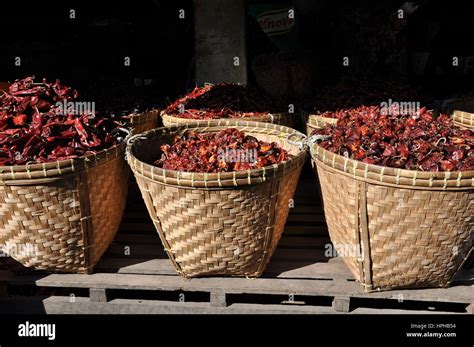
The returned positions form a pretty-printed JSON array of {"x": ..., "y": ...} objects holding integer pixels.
[{"x": 299, "y": 279}]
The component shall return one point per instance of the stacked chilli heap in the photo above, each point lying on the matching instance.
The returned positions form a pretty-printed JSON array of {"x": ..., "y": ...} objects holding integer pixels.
[
  {"x": 36, "y": 128},
  {"x": 415, "y": 141}
]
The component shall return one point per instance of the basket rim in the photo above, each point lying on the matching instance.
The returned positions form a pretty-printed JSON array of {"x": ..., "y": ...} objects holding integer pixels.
[
  {"x": 140, "y": 118},
  {"x": 58, "y": 168},
  {"x": 267, "y": 116},
  {"x": 459, "y": 116},
  {"x": 463, "y": 118},
  {"x": 315, "y": 119},
  {"x": 217, "y": 180},
  {"x": 384, "y": 175}
]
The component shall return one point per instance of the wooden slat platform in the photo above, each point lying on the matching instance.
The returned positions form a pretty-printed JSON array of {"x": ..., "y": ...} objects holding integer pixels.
[{"x": 299, "y": 279}]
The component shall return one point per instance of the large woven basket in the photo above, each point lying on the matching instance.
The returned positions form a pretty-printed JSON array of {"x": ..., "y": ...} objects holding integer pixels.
[
  {"x": 413, "y": 229},
  {"x": 62, "y": 216},
  {"x": 218, "y": 224},
  {"x": 285, "y": 119},
  {"x": 462, "y": 111},
  {"x": 144, "y": 121}
]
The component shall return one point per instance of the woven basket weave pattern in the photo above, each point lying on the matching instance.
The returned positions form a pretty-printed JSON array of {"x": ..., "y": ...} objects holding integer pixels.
[
  {"x": 461, "y": 110},
  {"x": 464, "y": 119},
  {"x": 233, "y": 226},
  {"x": 430, "y": 232},
  {"x": 107, "y": 186},
  {"x": 339, "y": 198},
  {"x": 46, "y": 218},
  {"x": 68, "y": 219},
  {"x": 317, "y": 122},
  {"x": 144, "y": 121},
  {"x": 410, "y": 236},
  {"x": 285, "y": 119}
]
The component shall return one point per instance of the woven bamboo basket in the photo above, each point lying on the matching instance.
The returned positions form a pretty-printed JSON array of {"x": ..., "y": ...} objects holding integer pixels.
[
  {"x": 218, "y": 224},
  {"x": 140, "y": 123},
  {"x": 462, "y": 111},
  {"x": 285, "y": 119},
  {"x": 144, "y": 121},
  {"x": 62, "y": 216},
  {"x": 316, "y": 121},
  {"x": 413, "y": 229}
]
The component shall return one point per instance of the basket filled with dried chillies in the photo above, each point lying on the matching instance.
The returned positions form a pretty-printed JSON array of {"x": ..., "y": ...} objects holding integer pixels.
[
  {"x": 224, "y": 101},
  {"x": 400, "y": 191},
  {"x": 64, "y": 179},
  {"x": 218, "y": 192}
]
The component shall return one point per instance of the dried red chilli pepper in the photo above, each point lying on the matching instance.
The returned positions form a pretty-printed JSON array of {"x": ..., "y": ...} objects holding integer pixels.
[
  {"x": 34, "y": 129},
  {"x": 224, "y": 100},
  {"x": 197, "y": 152},
  {"x": 418, "y": 141}
]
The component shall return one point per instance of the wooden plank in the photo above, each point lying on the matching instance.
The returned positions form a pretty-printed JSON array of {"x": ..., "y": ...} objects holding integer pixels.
[
  {"x": 276, "y": 268},
  {"x": 58, "y": 305},
  {"x": 98, "y": 294},
  {"x": 364, "y": 310},
  {"x": 62, "y": 305},
  {"x": 218, "y": 299},
  {"x": 470, "y": 309},
  {"x": 341, "y": 304},
  {"x": 462, "y": 294},
  {"x": 175, "y": 283}
]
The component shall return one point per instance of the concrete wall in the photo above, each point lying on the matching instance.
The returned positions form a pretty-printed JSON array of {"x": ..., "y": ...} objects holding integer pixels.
[{"x": 219, "y": 39}]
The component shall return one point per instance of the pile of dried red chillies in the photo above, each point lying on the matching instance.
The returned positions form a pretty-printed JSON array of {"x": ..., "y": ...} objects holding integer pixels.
[
  {"x": 224, "y": 100},
  {"x": 418, "y": 141},
  {"x": 34, "y": 128},
  {"x": 224, "y": 151}
]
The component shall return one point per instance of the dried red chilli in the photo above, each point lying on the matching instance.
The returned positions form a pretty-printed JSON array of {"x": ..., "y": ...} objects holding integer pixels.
[
  {"x": 419, "y": 141},
  {"x": 224, "y": 151},
  {"x": 35, "y": 129},
  {"x": 224, "y": 100}
]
